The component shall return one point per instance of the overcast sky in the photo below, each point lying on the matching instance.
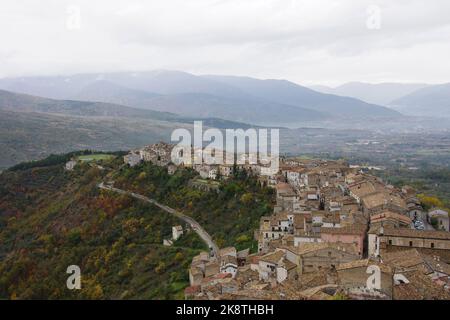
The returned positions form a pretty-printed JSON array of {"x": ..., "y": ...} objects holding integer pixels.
[{"x": 305, "y": 41}]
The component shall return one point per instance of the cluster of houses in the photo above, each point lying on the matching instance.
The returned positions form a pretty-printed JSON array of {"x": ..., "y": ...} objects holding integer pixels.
[
  {"x": 161, "y": 154},
  {"x": 335, "y": 232}
]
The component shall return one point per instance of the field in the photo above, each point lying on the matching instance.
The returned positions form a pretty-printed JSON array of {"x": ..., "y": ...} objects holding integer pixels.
[{"x": 95, "y": 157}]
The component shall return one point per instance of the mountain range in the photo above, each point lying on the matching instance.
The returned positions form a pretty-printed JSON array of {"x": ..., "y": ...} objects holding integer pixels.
[
  {"x": 429, "y": 101},
  {"x": 413, "y": 99},
  {"x": 381, "y": 93},
  {"x": 243, "y": 99}
]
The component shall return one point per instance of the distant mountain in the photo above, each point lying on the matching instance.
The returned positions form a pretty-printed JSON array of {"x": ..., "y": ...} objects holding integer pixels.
[
  {"x": 10, "y": 101},
  {"x": 268, "y": 102},
  {"x": 162, "y": 82},
  {"x": 382, "y": 93},
  {"x": 285, "y": 92},
  {"x": 429, "y": 101},
  {"x": 107, "y": 91}
]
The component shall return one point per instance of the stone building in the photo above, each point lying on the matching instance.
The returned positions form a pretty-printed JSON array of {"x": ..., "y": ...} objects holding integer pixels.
[
  {"x": 382, "y": 240},
  {"x": 313, "y": 257}
]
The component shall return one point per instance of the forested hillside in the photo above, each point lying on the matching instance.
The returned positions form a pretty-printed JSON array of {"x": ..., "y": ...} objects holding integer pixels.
[{"x": 51, "y": 218}]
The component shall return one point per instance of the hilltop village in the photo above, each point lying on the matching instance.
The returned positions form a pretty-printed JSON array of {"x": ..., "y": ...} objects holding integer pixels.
[{"x": 336, "y": 232}]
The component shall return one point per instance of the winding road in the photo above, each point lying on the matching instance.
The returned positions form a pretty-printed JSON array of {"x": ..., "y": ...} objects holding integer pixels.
[{"x": 194, "y": 224}]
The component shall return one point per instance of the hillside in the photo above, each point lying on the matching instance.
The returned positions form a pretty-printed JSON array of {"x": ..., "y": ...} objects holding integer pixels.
[
  {"x": 33, "y": 127},
  {"x": 429, "y": 101},
  {"x": 11, "y": 101},
  {"x": 51, "y": 218}
]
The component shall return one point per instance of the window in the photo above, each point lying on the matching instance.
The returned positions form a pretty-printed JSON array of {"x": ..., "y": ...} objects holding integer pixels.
[
  {"x": 390, "y": 242},
  {"x": 410, "y": 243},
  {"x": 432, "y": 245}
]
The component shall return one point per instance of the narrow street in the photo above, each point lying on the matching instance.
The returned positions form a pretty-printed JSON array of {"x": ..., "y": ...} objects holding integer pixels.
[{"x": 194, "y": 224}]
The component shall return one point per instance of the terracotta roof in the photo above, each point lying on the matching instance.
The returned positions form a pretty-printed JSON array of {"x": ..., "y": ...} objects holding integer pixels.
[
  {"x": 389, "y": 215},
  {"x": 413, "y": 233},
  {"x": 254, "y": 259},
  {"x": 352, "y": 229},
  {"x": 363, "y": 263},
  {"x": 285, "y": 188},
  {"x": 305, "y": 248},
  {"x": 381, "y": 198},
  {"x": 227, "y": 251},
  {"x": 228, "y": 260},
  {"x": 420, "y": 287},
  {"x": 362, "y": 188},
  {"x": 316, "y": 293},
  {"x": 273, "y": 257},
  {"x": 288, "y": 265},
  {"x": 403, "y": 258}
]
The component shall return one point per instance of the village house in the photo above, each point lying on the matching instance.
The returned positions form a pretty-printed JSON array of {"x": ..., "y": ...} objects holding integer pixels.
[
  {"x": 159, "y": 153},
  {"x": 202, "y": 265},
  {"x": 274, "y": 267},
  {"x": 132, "y": 159},
  {"x": 226, "y": 170},
  {"x": 350, "y": 235},
  {"x": 361, "y": 189},
  {"x": 70, "y": 165},
  {"x": 388, "y": 218},
  {"x": 415, "y": 209},
  {"x": 177, "y": 232},
  {"x": 228, "y": 261},
  {"x": 286, "y": 196},
  {"x": 313, "y": 257},
  {"x": 439, "y": 219},
  {"x": 295, "y": 176},
  {"x": 207, "y": 171}
]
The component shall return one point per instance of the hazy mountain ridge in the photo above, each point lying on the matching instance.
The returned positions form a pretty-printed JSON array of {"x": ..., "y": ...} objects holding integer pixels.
[
  {"x": 286, "y": 92},
  {"x": 231, "y": 98},
  {"x": 10, "y": 101},
  {"x": 430, "y": 101},
  {"x": 377, "y": 93}
]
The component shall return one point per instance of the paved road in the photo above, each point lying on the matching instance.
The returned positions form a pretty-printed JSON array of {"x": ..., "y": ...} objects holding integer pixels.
[{"x": 194, "y": 224}]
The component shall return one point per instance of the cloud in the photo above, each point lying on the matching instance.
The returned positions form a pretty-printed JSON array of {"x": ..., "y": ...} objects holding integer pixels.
[{"x": 320, "y": 41}]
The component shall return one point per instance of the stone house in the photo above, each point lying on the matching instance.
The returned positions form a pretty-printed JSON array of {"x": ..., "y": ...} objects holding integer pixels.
[
  {"x": 314, "y": 257},
  {"x": 287, "y": 198},
  {"x": 195, "y": 276},
  {"x": 382, "y": 240},
  {"x": 273, "y": 267},
  {"x": 441, "y": 219},
  {"x": 158, "y": 153},
  {"x": 389, "y": 218},
  {"x": 70, "y": 165},
  {"x": 132, "y": 159},
  {"x": 354, "y": 234}
]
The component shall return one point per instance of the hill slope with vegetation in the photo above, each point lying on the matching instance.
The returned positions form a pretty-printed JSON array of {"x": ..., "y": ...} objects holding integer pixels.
[{"x": 51, "y": 218}]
